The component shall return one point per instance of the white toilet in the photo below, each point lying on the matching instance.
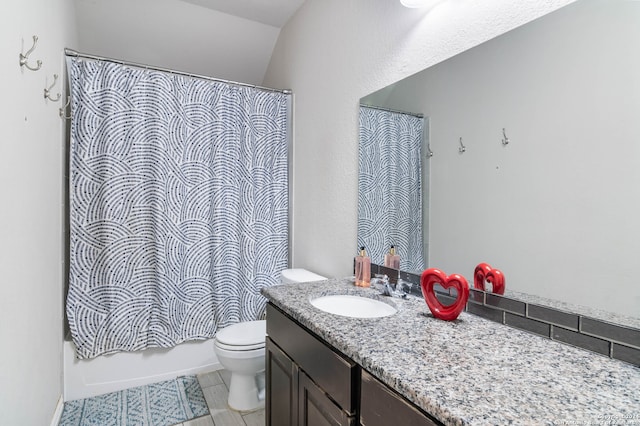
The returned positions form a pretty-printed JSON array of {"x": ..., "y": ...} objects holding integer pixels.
[{"x": 240, "y": 349}]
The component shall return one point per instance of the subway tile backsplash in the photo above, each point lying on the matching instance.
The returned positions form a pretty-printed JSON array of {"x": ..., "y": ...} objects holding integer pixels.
[
  {"x": 615, "y": 341},
  {"x": 625, "y": 353},
  {"x": 487, "y": 312},
  {"x": 625, "y": 335},
  {"x": 583, "y": 341},
  {"x": 527, "y": 324},
  {"x": 510, "y": 305},
  {"x": 553, "y": 316}
]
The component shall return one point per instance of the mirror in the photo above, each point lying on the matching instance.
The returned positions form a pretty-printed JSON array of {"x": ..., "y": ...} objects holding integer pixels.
[
  {"x": 548, "y": 187},
  {"x": 391, "y": 177}
]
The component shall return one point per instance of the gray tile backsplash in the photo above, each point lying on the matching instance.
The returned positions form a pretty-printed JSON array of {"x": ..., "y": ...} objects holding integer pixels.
[
  {"x": 486, "y": 312},
  {"x": 583, "y": 341},
  {"x": 619, "y": 342},
  {"x": 553, "y": 316},
  {"x": 511, "y": 305},
  {"x": 527, "y": 324},
  {"x": 476, "y": 296},
  {"x": 628, "y": 336},
  {"x": 626, "y": 353}
]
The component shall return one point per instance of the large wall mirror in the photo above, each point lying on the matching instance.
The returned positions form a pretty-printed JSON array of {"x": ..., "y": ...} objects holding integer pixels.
[{"x": 548, "y": 186}]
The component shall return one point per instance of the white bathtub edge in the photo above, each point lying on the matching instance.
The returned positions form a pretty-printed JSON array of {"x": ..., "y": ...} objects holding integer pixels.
[
  {"x": 110, "y": 373},
  {"x": 57, "y": 414}
]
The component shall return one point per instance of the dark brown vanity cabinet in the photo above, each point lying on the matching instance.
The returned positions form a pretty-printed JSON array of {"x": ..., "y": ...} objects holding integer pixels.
[
  {"x": 380, "y": 406},
  {"x": 315, "y": 408},
  {"x": 310, "y": 384},
  {"x": 307, "y": 382},
  {"x": 281, "y": 405}
]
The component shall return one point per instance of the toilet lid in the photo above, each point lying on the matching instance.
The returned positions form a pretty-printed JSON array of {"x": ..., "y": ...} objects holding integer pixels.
[
  {"x": 249, "y": 333},
  {"x": 299, "y": 275}
]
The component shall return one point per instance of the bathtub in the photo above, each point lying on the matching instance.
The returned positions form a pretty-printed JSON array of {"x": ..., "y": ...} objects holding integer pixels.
[{"x": 109, "y": 373}]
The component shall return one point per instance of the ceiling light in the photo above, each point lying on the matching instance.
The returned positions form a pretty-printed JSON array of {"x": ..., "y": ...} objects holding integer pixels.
[{"x": 418, "y": 3}]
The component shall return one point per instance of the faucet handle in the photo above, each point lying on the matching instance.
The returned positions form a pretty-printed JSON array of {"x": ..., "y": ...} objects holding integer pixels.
[
  {"x": 381, "y": 283},
  {"x": 404, "y": 287},
  {"x": 381, "y": 279}
]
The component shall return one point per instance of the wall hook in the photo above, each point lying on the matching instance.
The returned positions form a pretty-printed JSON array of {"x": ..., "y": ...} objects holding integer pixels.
[
  {"x": 429, "y": 152},
  {"x": 505, "y": 140},
  {"x": 24, "y": 57},
  {"x": 462, "y": 147},
  {"x": 47, "y": 91},
  {"x": 63, "y": 109}
]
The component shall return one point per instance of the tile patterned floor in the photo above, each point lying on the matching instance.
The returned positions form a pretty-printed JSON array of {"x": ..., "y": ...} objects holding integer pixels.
[{"x": 215, "y": 386}]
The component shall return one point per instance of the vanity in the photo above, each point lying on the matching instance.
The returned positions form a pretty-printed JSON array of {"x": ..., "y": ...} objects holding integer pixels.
[
  {"x": 412, "y": 369},
  {"x": 309, "y": 383}
]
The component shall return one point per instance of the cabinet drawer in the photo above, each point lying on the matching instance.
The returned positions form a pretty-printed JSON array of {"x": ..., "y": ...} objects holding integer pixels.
[
  {"x": 380, "y": 406},
  {"x": 335, "y": 374}
]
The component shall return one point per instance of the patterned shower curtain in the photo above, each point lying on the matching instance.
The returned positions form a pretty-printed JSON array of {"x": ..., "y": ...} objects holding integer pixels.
[
  {"x": 389, "y": 186},
  {"x": 178, "y": 194}
]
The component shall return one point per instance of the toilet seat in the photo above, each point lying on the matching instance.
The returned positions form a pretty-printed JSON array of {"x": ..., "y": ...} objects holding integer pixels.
[
  {"x": 243, "y": 336},
  {"x": 239, "y": 347}
]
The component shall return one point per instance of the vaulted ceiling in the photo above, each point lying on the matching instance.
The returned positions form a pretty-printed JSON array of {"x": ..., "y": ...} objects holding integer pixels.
[
  {"x": 228, "y": 39},
  {"x": 270, "y": 12}
]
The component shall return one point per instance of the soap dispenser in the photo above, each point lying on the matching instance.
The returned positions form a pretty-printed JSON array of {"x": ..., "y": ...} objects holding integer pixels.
[
  {"x": 363, "y": 269},
  {"x": 391, "y": 259}
]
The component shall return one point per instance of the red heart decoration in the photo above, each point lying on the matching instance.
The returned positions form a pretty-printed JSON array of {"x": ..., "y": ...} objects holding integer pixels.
[
  {"x": 433, "y": 276},
  {"x": 484, "y": 272}
]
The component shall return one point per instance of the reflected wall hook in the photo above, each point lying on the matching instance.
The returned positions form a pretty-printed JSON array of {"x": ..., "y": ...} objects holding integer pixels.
[
  {"x": 505, "y": 140},
  {"x": 63, "y": 109},
  {"x": 24, "y": 57},
  {"x": 47, "y": 91},
  {"x": 462, "y": 147}
]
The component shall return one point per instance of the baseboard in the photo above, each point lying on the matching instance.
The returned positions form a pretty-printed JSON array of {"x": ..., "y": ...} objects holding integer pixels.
[{"x": 57, "y": 415}]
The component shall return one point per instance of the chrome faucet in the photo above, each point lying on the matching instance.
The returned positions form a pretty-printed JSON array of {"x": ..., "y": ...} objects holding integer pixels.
[
  {"x": 382, "y": 284},
  {"x": 405, "y": 287}
]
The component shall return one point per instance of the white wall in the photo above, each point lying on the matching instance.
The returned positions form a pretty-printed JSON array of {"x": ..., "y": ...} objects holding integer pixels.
[
  {"x": 557, "y": 210},
  {"x": 177, "y": 35},
  {"x": 31, "y": 211},
  {"x": 331, "y": 54}
]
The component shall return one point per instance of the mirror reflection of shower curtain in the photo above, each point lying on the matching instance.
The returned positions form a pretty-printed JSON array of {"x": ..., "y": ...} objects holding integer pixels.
[
  {"x": 390, "y": 187},
  {"x": 178, "y": 193}
]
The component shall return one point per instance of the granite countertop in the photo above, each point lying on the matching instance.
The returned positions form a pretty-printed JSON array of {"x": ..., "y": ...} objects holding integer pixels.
[{"x": 470, "y": 371}]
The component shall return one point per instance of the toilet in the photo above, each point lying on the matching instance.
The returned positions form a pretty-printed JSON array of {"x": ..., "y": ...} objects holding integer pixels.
[{"x": 240, "y": 349}]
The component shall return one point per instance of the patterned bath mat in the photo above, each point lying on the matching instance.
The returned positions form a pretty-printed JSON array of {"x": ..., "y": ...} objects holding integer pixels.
[{"x": 158, "y": 404}]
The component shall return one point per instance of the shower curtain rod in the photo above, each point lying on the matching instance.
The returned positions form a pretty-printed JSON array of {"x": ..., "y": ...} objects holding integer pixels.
[
  {"x": 393, "y": 110},
  {"x": 71, "y": 52}
]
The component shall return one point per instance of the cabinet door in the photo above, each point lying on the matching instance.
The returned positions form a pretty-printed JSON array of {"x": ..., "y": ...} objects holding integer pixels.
[
  {"x": 316, "y": 409},
  {"x": 380, "y": 406},
  {"x": 281, "y": 405},
  {"x": 332, "y": 371}
]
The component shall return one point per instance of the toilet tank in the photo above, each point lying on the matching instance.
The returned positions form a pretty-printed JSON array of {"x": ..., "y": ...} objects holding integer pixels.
[{"x": 299, "y": 275}]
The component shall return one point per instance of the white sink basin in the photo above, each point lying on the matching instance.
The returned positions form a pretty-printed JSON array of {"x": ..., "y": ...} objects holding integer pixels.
[{"x": 353, "y": 306}]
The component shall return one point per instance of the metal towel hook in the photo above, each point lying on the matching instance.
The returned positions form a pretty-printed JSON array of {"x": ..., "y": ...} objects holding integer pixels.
[
  {"x": 462, "y": 147},
  {"x": 47, "y": 91},
  {"x": 505, "y": 140},
  {"x": 429, "y": 152},
  {"x": 24, "y": 57},
  {"x": 63, "y": 109}
]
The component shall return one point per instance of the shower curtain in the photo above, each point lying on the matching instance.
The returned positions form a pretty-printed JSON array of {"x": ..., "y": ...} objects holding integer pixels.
[
  {"x": 178, "y": 193},
  {"x": 389, "y": 186}
]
